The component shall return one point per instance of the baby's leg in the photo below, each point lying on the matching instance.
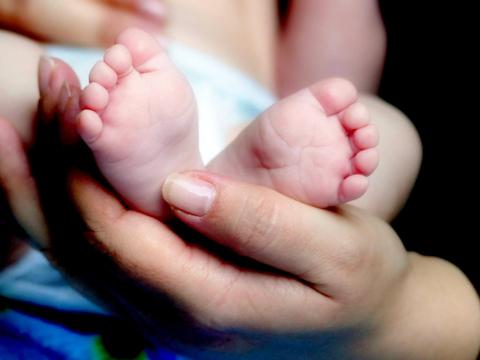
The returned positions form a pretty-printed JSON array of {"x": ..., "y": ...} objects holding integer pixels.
[
  {"x": 400, "y": 152},
  {"x": 325, "y": 38},
  {"x": 18, "y": 81}
]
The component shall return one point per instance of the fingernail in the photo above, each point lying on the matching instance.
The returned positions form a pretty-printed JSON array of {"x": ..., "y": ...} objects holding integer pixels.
[
  {"x": 152, "y": 8},
  {"x": 72, "y": 108},
  {"x": 189, "y": 194},
  {"x": 57, "y": 78},
  {"x": 45, "y": 69},
  {"x": 65, "y": 94}
]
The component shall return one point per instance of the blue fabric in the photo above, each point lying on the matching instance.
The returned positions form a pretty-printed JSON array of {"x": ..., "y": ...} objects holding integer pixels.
[
  {"x": 28, "y": 337},
  {"x": 25, "y": 337}
]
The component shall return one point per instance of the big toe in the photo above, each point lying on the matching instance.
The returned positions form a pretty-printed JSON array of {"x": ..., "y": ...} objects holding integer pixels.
[
  {"x": 142, "y": 46},
  {"x": 334, "y": 95}
]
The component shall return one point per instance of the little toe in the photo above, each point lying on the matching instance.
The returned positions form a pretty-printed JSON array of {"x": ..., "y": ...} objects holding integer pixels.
[
  {"x": 141, "y": 45},
  {"x": 366, "y": 161},
  {"x": 335, "y": 95},
  {"x": 352, "y": 188},
  {"x": 119, "y": 59},
  {"x": 355, "y": 117},
  {"x": 89, "y": 126},
  {"x": 94, "y": 97},
  {"x": 366, "y": 137},
  {"x": 103, "y": 74}
]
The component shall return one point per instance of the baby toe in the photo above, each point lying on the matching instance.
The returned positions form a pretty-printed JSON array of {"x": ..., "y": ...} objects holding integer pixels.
[
  {"x": 355, "y": 117},
  {"x": 353, "y": 187},
  {"x": 334, "y": 95},
  {"x": 366, "y": 161},
  {"x": 119, "y": 59},
  {"x": 141, "y": 45},
  {"x": 366, "y": 137},
  {"x": 103, "y": 74},
  {"x": 89, "y": 126},
  {"x": 94, "y": 97}
]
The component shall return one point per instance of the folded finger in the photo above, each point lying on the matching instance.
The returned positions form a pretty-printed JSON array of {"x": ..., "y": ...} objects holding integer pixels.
[
  {"x": 82, "y": 22},
  {"x": 259, "y": 223},
  {"x": 217, "y": 293},
  {"x": 154, "y": 9},
  {"x": 18, "y": 185}
]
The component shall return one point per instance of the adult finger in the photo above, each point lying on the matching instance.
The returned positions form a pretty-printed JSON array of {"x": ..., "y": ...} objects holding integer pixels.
[
  {"x": 82, "y": 22},
  {"x": 212, "y": 289},
  {"x": 59, "y": 95},
  {"x": 318, "y": 246},
  {"x": 53, "y": 76},
  {"x": 143, "y": 246},
  {"x": 154, "y": 9},
  {"x": 15, "y": 175},
  {"x": 18, "y": 185}
]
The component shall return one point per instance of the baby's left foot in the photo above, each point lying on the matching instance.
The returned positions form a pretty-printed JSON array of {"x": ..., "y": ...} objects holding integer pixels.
[{"x": 140, "y": 120}]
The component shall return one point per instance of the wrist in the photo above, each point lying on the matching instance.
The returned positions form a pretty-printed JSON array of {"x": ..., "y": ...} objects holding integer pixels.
[{"x": 433, "y": 314}]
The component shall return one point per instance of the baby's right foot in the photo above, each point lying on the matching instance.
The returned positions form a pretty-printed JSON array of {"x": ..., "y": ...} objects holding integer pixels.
[
  {"x": 316, "y": 146},
  {"x": 140, "y": 120}
]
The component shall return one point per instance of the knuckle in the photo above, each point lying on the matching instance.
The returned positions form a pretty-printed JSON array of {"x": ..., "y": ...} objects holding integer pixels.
[
  {"x": 356, "y": 252},
  {"x": 238, "y": 308},
  {"x": 350, "y": 256},
  {"x": 257, "y": 223},
  {"x": 218, "y": 316},
  {"x": 360, "y": 262}
]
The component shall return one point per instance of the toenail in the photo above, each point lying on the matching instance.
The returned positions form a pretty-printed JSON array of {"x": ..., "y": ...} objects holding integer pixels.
[{"x": 189, "y": 194}]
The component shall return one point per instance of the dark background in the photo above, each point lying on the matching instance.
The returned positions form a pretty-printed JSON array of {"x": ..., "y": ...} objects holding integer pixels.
[{"x": 431, "y": 75}]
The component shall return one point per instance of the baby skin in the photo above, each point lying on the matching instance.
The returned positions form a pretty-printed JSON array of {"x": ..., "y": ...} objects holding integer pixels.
[{"x": 139, "y": 118}]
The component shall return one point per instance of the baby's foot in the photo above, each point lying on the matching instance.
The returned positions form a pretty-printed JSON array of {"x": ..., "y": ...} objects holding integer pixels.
[
  {"x": 316, "y": 146},
  {"x": 140, "y": 120}
]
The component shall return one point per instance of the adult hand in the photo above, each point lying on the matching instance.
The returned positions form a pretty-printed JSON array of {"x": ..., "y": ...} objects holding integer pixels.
[
  {"x": 80, "y": 22},
  {"x": 308, "y": 283},
  {"x": 322, "y": 285},
  {"x": 10, "y": 172},
  {"x": 16, "y": 182}
]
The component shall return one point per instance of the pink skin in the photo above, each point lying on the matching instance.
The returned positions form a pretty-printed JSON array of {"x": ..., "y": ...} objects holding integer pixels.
[
  {"x": 139, "y": 118},
  {"x": 316, "y": 146}
]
